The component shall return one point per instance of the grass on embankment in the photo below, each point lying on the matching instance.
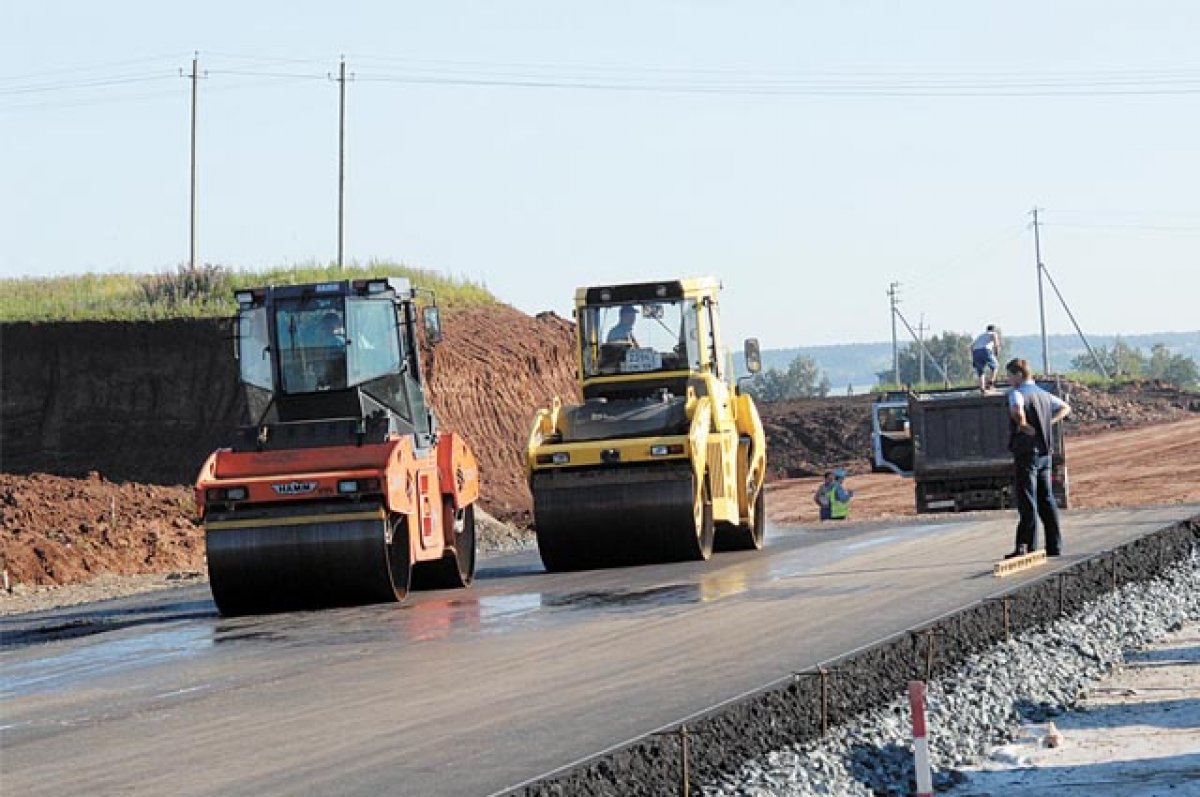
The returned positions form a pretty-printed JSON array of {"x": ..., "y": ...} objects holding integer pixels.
[{"x": 203, "y": 292}]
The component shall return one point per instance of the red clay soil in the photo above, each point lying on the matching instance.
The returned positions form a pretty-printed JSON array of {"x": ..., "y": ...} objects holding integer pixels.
[
  {"x": 56, "y": 530},
  {"x": 492, "y": 372}
]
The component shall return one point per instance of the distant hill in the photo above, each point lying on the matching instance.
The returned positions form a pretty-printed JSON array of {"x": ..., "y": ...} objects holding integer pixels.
[{"x": 855, "y": 364}]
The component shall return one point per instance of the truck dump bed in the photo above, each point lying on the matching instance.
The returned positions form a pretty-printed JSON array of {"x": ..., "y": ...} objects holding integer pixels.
[{"x": 959, "y": 434}]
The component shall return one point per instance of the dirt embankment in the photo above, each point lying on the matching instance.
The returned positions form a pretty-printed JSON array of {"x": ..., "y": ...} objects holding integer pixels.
[
  {"x": 495, "y": 368},
  {"x": 60, "y": 530}
]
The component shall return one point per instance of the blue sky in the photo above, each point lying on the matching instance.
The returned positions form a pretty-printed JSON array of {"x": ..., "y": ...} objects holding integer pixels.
[{"x": 792, "y": 149}]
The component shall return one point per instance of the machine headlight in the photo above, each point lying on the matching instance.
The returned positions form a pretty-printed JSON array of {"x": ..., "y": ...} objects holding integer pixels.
[
  {"x": 348, "y": 486},
  {"x": 226, "y": 494},
  {"x": 666, "y": 450},
  {"x": 557, "y": 458}
]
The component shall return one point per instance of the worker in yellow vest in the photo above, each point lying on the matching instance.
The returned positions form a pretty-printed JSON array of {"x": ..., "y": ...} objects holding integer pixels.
[{"x": 832, "y": 496}]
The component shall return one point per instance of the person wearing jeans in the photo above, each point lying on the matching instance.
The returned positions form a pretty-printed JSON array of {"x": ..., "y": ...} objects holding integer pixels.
[{"x": 1033, "y": 412}]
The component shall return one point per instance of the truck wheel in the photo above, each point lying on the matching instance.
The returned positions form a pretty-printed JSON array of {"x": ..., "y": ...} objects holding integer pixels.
[{"x": 922, "y": 508}]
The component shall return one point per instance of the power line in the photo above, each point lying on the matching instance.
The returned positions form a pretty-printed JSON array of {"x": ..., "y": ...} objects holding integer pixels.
[
  {"x": 81, "y": 102},
  {"x": 89, "y": 67},
  {"x": 701, "y": 81},
  {"x": 84, "y": 84},
  {"x": 272, "y": 75},
  {"x": 813, "y": 90},
  {"x": 1136, "y": 227}
]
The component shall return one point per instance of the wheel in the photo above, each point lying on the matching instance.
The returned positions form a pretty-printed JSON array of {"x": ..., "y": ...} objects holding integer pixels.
[
  {"x": 700, "y": 546},
  {"x": 399, "y": 556},
  {"x": 920, "y": 497},
  {"x": 748, "y": 537},
  {"x": 456, "y": 568},
  {"x": 306, "y": 557},
  {"x": 624, "y": 516}
]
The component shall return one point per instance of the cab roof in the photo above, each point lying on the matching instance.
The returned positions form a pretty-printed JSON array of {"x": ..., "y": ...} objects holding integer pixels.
[{"x": 688, "y": 288}]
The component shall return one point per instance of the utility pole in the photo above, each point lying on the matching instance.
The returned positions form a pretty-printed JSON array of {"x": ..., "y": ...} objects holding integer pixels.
[
  {"x": 1037, "y": 251},
  {"x": 921, "y": 338},
  {"x": 895, "y": 347},
  {"x": 195, "y": 78},
  {"x": 341, "y": 80}
]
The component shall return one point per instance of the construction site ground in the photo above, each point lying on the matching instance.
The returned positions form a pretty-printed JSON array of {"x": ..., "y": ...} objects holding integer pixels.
[{"x": 1128, "y": 447}]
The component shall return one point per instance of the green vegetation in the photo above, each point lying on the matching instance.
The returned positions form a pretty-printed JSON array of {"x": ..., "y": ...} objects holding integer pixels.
[
  {"x": 950, "y": 350},
  {"x": 203, "y": 292},
  {"x": 802, "y": 379},
  {"x": 1123, "y": 361}
]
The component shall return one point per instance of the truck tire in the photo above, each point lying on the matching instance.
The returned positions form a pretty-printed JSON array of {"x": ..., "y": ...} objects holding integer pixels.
[{"x": 921, "y": 500}]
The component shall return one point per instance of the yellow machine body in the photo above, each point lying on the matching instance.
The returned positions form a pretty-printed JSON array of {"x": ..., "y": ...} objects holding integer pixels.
[{"x": 665, "y": 458}]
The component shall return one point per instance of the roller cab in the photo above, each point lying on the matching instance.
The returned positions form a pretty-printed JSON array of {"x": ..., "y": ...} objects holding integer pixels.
[
  {"x": 664, "y": 460},
  {"x": 343, "y": 490}
]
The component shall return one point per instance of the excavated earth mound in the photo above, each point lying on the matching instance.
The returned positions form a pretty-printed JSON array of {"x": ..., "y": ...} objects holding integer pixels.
[
  {"x": 58, "y": 530},
  {"x": 495, "y": 367}
]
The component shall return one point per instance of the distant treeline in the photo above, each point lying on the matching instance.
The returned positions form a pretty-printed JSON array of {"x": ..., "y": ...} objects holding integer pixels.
[{"x": 856, "y": 364}]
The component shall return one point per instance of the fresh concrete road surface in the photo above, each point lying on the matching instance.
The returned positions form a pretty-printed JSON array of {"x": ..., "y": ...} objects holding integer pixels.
[{"x": 469, "y": 692}]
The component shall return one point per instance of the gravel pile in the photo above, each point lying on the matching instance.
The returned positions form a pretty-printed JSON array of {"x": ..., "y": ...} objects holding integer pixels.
[{"x": 1036, "y": 676}]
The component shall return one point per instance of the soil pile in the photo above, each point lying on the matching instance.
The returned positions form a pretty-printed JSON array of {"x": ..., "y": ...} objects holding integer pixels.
[
  {"x": 57, "y": 530},
  {"x": 1130, "y": 405},
  {"x": 808, "y": 436},
  {"x": 489, "y": 376}
]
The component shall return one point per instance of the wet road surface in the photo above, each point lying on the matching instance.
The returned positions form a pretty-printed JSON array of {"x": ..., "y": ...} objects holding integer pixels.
[{"x": 468, "y": 692}]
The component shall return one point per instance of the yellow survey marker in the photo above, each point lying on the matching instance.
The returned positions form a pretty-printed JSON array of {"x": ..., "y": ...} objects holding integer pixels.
[{"x": 1007, "y": 567}]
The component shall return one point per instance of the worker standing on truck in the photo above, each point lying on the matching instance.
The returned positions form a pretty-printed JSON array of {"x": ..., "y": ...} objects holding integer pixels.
[
  {"x": 832, "y": 496},
  {"x": 1033, "y": 412},
  {"x": 985, "y": 354}
]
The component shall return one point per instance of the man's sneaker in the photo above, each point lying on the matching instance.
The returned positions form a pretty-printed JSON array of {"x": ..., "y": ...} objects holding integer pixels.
[
  {"x": 1020, "y": 551},
  {"x": 1053, "y": 553}
]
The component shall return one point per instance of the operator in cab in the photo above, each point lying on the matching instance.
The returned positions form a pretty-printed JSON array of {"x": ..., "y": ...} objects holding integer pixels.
[{"x": 622, "y": 332}]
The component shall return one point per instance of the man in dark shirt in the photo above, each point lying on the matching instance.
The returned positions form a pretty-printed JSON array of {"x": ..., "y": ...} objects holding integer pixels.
[{"x": 1034, "y": 412}]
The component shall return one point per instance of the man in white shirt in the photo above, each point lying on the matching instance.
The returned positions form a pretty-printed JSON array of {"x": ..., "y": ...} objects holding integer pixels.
[
  {"x": 1031, "y": 440},
  {"x": 985, "y": 353}
]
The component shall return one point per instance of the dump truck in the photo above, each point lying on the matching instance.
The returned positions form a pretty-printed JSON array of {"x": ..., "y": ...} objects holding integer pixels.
[
  {"x": 960, "y": 457},
  {"x": 665, "y": 458},
  {"x": 342, "y": 489}
]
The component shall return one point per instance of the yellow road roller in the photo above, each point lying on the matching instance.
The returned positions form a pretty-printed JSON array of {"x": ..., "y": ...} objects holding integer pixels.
[{"x": 665, "y": 458}]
